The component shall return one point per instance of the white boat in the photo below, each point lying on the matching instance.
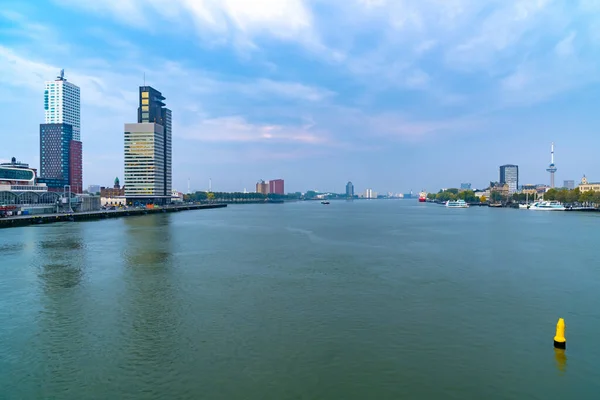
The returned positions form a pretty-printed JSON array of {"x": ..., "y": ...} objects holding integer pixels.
[
  {"x": 547, "y": 206},
  {"x": 456, "y": 204},
  {"x": 523, "y": 206}
]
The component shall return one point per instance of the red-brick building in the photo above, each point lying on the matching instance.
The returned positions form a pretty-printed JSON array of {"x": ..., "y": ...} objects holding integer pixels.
[{"x": 276, "y": 186}]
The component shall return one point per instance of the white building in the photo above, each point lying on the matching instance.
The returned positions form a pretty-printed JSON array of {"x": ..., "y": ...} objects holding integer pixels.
[
  {"x": 62, "y": 104},
  {"x": 370, "y": 194}
]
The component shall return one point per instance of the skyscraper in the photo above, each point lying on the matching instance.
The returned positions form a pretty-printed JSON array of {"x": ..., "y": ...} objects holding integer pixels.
[
  {"x": 62, "y": 104},
  {"x": 148, "y": 172},
  {"x": 61, "y": 153},
  {"x": 509, "y": 174},
  {"x": 349, "y": 189}
]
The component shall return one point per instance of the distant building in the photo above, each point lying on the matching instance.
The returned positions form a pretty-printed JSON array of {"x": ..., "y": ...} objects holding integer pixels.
[
  {"x": 570, "y": 184},
  {"x": 370, "y": 194},
  {"x": 465, "y": 186},
  {"x": 276, "y": 186},
  {"x": 498, "y": 187},
  {"x": 93, "y": 189},
  {"x": 349, "y": 189},
  {"x": 586, "y": 186},
  {"x": 509, "y": 174},
  {"x": 529, "y": 189},
  {"x": 262, "y": 187}
]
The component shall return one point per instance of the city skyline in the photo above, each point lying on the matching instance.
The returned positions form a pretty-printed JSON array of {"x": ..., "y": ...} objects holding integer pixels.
[{"x": 256, "y": 97}]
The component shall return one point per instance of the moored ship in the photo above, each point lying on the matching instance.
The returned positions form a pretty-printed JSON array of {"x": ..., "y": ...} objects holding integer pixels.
[{"x": 423, "y": 197}]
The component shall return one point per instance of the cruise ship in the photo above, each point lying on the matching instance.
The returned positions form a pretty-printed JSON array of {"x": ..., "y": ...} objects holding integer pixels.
[
  {"x": 547, "y": 206},
  {"x": 457, "y": 204},
  {"x": 423, "y": 197}
]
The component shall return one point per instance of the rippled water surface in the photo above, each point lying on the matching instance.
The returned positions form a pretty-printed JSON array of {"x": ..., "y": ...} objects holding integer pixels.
[{"x": 354, "y": 300}]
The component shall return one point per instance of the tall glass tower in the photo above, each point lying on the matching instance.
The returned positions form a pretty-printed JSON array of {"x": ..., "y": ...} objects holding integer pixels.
[{"x": 509, "y": 174}]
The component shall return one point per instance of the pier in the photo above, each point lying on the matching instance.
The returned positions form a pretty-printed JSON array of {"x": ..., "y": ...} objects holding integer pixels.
[{"x": 24, "y": 220}]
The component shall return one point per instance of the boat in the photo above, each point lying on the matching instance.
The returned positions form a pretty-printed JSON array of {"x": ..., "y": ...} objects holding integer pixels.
[
  {"x": 456, "y": 204},
  {"x": 523, "y": 206},
  {"x": 325, "y": 202},
  {"x": 423, "y": 197},
  {"x": 548, "y": 206}
]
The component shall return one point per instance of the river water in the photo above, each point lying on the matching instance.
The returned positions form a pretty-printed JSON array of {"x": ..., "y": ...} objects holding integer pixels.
[{"x": 355, "y": 300}]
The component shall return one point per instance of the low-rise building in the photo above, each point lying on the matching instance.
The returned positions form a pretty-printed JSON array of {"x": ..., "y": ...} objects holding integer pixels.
[{"x": 586, "y": 186}]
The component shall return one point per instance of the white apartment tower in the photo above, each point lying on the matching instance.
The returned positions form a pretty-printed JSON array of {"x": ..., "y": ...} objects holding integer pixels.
[{"x": 62, "y": 104}]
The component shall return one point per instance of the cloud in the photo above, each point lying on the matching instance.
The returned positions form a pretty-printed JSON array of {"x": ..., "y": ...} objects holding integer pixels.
[
  {"x": 237, "y": 129},
  {"x": 565, "y": 48},
  {"x": 215, "y": 21}
]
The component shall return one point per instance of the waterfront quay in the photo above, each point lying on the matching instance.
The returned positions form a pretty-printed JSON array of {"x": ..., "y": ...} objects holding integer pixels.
[{"x": 23, "y": 220}]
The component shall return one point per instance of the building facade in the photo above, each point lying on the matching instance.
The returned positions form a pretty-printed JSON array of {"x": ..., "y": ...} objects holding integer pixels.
[
  {"x": 262, "y": 187},
  {"x": 276, "y": 186},
  {"x": 144, "y": 160},
  {"x": 55, "y": 155},
  {"x": 465, "y": 186},
  {"x": 509, "y": 174},
  {"x": 76, "y": 166},
  {"x": 62, "y": 104},
  {"x": 586, "y": 186},
  {"x": 349, "y": 189},
  {"x": 569, "y": 184}
]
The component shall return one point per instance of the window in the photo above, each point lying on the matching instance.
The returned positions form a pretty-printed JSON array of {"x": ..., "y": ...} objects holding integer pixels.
[
  {"x": 145, "y": 108},
  {"x": 145, "y": 101},
  {"x": 145, "y": 95}
]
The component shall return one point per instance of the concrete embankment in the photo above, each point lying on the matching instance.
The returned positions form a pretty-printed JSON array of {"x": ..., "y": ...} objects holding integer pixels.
[{"x": 24, "y": 220}]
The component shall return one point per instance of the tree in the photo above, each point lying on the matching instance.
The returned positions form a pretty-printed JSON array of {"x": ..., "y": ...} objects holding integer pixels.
[
  {"x": 573, "y": 195},
  {"x": 483, "y": 199},
  {"x": 210, "y": 196},
  {"x": 497, "y": 197}
]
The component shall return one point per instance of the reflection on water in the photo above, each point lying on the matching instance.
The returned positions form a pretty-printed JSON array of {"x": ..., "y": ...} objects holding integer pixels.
[
  {"x": 561, "y": 359},
  {"x": 61, "y": 259},
  {"x": 150, "y": 318},
  {"x": 148, "y": 240}
]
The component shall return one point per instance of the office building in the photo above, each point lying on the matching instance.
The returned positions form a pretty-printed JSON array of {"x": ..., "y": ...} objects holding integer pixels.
[
  {"x": 509, "y": 175},
  {"x": 349, "y": 189},
  {"x": 569, "y": 184},
  {"x": 55, "y": 155},
  {"x": 262, "y": 187},
  {"x": 276, "y": 186},
  {"x": 93, "y": 189},
  {"x": 61, "y": 152},
  {"x": 465, "y": 186},
  {"x": 147, "y": 148}
]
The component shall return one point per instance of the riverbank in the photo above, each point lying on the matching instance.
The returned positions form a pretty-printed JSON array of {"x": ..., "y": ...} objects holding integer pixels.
[{"x": 24, "y": 220}]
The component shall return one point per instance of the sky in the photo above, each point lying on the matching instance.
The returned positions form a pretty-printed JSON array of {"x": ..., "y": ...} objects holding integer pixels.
[{"x": 393, "y": 95}]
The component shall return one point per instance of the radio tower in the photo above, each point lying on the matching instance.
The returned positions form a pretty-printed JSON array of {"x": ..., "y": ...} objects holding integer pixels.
[{"x": 552, "y": 167}]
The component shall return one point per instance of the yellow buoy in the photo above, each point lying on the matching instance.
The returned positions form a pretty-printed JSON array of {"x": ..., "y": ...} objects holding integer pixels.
[{"x": 560, "y": 341}]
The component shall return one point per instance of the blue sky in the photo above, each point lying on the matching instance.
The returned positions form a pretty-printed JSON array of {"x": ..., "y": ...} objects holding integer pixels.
[{"x": 392, "y": 94}]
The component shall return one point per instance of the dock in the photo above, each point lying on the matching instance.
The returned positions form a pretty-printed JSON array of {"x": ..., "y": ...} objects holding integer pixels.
[{"x": 24, "y": 220}]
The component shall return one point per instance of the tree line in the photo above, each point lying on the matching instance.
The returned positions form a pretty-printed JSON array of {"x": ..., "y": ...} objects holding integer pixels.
[
  {"x": 455, "y": 194},
  {"x": 573, "y": 196},
  {"x": 237, "y": 197}
]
